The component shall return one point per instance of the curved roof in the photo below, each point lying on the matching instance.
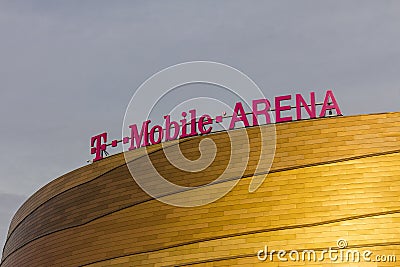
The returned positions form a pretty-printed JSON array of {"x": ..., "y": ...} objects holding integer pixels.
[{"x": 330, "y": 177}]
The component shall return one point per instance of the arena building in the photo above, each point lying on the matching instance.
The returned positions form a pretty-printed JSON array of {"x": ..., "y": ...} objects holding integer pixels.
[{"x": 331, "y": 198}]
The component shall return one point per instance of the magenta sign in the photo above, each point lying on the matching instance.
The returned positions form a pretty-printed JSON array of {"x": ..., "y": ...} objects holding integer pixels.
[{"x": 191, "y": 124}]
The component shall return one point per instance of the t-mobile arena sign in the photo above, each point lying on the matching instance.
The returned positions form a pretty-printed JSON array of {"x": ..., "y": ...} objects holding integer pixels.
[{"x": 191, "y": 124}]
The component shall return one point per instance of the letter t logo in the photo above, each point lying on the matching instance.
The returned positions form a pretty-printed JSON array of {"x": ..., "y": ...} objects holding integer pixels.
[{"x": 97, "y": 146}]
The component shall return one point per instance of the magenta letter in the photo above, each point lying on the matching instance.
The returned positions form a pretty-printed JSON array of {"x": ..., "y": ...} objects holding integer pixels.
[
  {"x": 193, "y": 125},
  {"x": 238, "y": 107},
  {"x": 168, "y": 127},
  {"x": 326, "y": 106},
  {"x": 279, "y": 108},
  {"x": 97, "y": 146},
  {"x": 312, "y": 111},
  {"x": 138, "y": 138},
  {"x": 152, "y": 133},
  {"x": 202, "y": 123},
  {"x": 264, "y": 111}
]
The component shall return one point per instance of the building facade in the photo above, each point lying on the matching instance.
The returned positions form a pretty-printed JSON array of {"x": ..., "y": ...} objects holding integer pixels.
[{"x": 334, "y": 184}]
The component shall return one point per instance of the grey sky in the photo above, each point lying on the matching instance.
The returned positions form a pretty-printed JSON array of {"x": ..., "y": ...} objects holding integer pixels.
[{"x": 69, "y": 68}]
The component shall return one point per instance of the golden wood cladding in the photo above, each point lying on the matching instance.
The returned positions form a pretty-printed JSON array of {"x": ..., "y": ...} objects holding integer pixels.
[{"x": 331, "y": 178}]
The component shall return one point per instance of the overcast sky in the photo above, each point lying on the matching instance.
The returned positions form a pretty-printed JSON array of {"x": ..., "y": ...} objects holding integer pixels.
[{"x": 69, "y": 68}]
